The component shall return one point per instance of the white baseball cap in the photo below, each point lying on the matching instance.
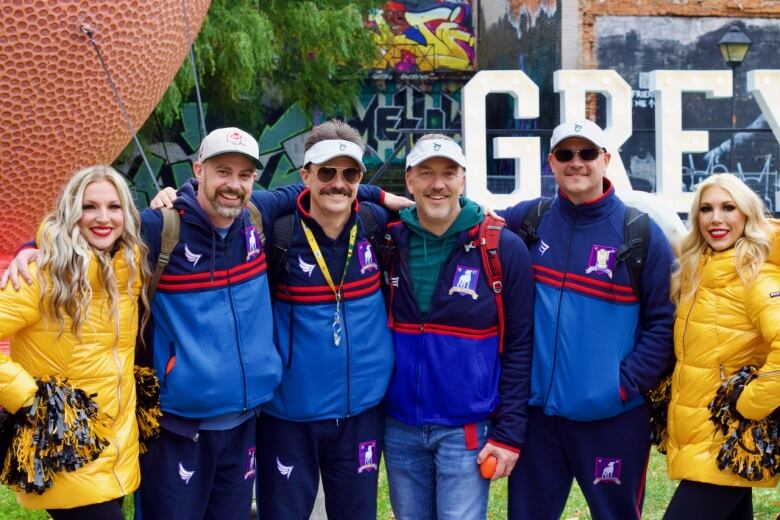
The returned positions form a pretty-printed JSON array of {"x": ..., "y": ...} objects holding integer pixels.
[
  {"x": 425, "y": 149},
  {"x": 579, "y": 128},
  {"x": 327, "y": 149},
  {"x": 229, "y": 140}
]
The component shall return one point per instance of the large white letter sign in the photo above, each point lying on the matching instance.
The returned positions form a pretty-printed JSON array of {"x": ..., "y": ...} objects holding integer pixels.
[
  {"x": 525, "y": 150},
  {"x": 572, "y": 85},
  {"x": 764, "y": 85},
  {"x": 670, "y": 139}
]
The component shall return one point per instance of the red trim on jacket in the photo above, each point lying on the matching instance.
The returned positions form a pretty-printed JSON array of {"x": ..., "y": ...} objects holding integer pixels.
[
  {"x": 513, "y": 449},
  {"x": 445, "y": 330}
]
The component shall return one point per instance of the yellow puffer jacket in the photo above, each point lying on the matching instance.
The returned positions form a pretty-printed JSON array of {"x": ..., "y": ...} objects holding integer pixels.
[
  {"x": 93, "y": 363},
  {"x": 722, "y": 328}
]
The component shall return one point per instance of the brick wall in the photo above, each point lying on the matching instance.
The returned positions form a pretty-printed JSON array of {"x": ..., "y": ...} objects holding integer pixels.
[{"x": 590, "y": 9}]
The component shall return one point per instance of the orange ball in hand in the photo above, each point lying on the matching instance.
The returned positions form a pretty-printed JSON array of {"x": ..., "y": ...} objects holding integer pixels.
[{"x": 488, "y": 466}]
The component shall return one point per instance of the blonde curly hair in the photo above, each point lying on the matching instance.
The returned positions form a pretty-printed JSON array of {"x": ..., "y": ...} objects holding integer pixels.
[
  {"x": 65, "y": 253},
  {"x": 752, "y": 248}
]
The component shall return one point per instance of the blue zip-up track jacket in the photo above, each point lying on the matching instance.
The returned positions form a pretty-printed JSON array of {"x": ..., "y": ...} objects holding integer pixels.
[
  {"x": 319, "y": 379},
  {"x": 447, "y": 368},
  {"x": 597, "y": 348},
  {"x": 211, "y": 332}
]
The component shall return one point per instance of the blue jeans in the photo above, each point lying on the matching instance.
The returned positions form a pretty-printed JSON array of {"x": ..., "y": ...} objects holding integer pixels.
[{"x": 432, "y": 475}]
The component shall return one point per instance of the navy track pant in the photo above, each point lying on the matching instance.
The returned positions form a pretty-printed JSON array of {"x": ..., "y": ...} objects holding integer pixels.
[
  {"x": 291, "y": 456},
  {"x": 208, "y": 478},
  {"x": 607, "y": 457}
]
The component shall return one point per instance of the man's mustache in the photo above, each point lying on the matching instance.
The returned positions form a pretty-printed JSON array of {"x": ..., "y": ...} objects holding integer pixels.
[{"x": 336, "y": 191}]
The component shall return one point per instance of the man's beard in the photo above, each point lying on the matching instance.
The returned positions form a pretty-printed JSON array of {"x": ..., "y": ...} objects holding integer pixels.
[{"x": 231, "y": 212}]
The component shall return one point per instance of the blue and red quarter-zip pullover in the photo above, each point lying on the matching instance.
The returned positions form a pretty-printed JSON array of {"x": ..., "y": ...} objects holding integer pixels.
[
  {"x": 321, "y": 380},
  {"x": 447, "y": 366},
  {"x": 211, "y": 332},
  {"x": 597, "y": 347}
]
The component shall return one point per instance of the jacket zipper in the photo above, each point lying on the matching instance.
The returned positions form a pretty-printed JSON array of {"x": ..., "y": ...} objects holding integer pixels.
[
  {"x": 558, "y": 314},
  {"x": 235, "y": 331},
  {"x": 118, "y": 413},
  {"x": 418, "y": 361},
  {"x": 346, "y": 355}
]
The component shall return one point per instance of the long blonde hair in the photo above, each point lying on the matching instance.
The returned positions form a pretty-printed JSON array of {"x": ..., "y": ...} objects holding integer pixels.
[
  {"x": 65, "y": 253},
  {"x": 751, "y": 249}
]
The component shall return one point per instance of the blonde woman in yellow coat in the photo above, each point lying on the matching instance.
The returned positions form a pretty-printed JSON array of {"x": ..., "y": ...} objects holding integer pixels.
[
  {"x": 79, "y": 319},
  {"x": 727, "y": 292}
]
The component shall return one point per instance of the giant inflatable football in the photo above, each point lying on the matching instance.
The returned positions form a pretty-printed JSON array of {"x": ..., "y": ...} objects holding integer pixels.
[{"x": 58, "y": 111}]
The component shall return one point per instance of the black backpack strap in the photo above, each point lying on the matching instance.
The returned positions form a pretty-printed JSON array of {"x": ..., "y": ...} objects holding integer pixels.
[
  {"x": 280, "y": 243},
  {"x": 531, "y": 219},
  {"x": 636, "y": 244},
  {"x": 169, "y": 237},
  {"x": 370, "y": 225}
]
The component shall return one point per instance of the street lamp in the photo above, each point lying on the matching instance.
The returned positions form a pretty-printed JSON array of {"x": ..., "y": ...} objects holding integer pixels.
[{"x": 734, "y": 45}]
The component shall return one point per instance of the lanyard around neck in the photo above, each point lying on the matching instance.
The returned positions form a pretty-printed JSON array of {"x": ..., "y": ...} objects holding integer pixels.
[{"x": 315, "y": 248}]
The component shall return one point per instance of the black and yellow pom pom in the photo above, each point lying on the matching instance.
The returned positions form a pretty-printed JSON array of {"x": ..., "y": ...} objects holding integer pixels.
[
  {"x": 750, "y": 448},
  {"x": 61, "y": 431},
  {"x": 658, "y": 404},
  {"x": 147, "y": 411}
]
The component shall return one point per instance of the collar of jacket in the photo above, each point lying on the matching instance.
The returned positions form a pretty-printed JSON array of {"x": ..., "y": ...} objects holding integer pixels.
[
  {"x": 600, "y": 207},
  {"x": 717, "y": 268}
]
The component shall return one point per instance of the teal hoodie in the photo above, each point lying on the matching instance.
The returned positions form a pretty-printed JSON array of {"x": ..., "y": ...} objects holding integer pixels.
[{"x": 427, "y": 252}]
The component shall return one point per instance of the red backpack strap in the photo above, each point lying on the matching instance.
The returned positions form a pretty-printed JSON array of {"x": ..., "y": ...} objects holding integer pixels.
[{"x": 489, "y": 237}]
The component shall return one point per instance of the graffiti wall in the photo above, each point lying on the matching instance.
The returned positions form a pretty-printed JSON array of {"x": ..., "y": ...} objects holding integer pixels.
[
  {"x": 379, "y": 116},
  {"x": 636, "y": 45},
  {"x": 418, "y": 38},
  {"x": 381, "y": 113}
]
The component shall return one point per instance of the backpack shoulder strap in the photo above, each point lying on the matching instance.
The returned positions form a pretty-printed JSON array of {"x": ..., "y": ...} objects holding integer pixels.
[
  {"x": 169, "y": 237},
  {"x": 280, "y": 243},
  {"x": 488, "y": 240},
  {"x": 257, "y": 220},
  {"x": 636, "y": 244},
  {"x": 531, "y": 219},
  {"x": 370, "y": 223}
]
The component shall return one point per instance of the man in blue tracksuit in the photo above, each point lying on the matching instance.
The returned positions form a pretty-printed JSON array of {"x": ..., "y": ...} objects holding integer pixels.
[
  {"x": 454, "y": 398},
  {"x": 332, "y": 336},
  {"x": 597, "y": 345},
  {"x": 210, "y": 338}
]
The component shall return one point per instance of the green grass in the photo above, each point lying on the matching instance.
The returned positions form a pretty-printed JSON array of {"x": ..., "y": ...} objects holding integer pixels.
[{"x": 766, "y": 502}]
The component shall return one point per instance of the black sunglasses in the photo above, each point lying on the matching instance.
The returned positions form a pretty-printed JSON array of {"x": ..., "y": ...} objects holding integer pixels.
[
  {"x": 325, "y": 174},
  {"x": 586, "y": 154}
]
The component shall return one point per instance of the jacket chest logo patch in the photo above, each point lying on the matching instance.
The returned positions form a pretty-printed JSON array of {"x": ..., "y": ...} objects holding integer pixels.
[
  {"x": 252, "y": 246},
  {"x": 366, "y": 257},
  {"x": 602, "y": 260},
  {"x": 190, "y": 256},
  {"x": 305, "y": 268},
  {"x": 607, "y": 470},
  {"x": 774, "y": 294},
  {"x": 465, "y": 281}
]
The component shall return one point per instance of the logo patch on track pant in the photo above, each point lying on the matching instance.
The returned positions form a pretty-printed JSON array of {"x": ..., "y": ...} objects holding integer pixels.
[{"x": 367, "y": 456}]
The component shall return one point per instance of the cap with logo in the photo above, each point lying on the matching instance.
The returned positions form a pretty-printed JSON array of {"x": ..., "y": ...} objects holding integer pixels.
[
  {"x": 580, "y": 128},
  {"x": 327, "y": 149},
  {"x": 229, "y": 140},
  {"x": 428, "y": 148}
]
